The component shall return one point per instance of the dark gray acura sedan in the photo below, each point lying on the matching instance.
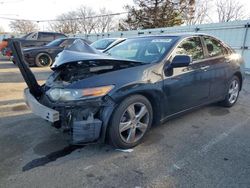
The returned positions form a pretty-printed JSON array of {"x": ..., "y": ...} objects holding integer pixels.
[{"x": 143, "y": 81}]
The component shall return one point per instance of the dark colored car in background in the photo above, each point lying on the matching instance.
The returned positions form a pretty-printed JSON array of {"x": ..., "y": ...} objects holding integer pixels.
[
  {"x": 38, "y": 38},
  {"x": 106, "y": 43},
  {"x": 143, "y": 81},
  {"x": 31, "y": 40},
  {"x": 45, "y": 55}
]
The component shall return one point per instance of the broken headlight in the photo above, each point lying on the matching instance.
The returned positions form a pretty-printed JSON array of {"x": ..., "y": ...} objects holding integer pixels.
[{"x": 58, "y": 94}]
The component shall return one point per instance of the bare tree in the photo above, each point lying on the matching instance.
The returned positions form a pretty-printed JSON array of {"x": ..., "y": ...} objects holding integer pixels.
[
  {"x": 105, "y": 23},
  {"x": 200, "y": 13},
  {"x": 187, "y": 10},
  {"x": 229, "y": 10},
  {"x": 66, "y": 23},
  {"x": 23, "y": 26},
  {"x": 84, "y": 20},
  {"x": 87, "y": 21}
]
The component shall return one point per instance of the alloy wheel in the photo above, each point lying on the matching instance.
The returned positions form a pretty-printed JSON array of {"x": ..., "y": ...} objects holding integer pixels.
[
  {"x": 233, "y": 91},
  {"x": 134, "y": 123},
  {"x": 44, "y": 60}
]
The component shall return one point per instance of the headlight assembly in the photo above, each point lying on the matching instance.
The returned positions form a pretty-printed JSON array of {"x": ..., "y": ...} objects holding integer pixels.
[{"x": 58, "y": 94}]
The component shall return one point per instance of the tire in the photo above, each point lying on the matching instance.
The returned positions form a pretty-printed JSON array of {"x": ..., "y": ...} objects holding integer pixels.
[
  {"x": 43, "y": 60},
  {"x": 130, "y": 122},
  {"x": 232, "y": 92}
]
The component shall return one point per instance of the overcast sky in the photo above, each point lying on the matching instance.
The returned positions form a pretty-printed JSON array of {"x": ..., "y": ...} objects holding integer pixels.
[{"x": 49, "y": 9}]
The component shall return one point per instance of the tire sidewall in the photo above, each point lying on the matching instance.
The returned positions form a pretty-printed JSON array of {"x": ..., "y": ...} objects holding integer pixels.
[
  {"x": 38, "y": 64},
  {"x": 226, "y": 102},
  {"x": 113, "y": 130}
]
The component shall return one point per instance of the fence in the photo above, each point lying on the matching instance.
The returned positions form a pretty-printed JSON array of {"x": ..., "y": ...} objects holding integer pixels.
[{"x": 235, "y": 34}]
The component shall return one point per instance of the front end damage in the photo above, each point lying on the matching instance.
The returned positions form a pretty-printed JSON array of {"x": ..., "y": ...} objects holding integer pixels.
[
  {"x": 84, "y": 118},
  {"x": 77, "y": 95}
]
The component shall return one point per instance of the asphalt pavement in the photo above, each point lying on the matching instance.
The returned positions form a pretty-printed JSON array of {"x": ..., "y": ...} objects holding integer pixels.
[{"x": 209, "y": 147}]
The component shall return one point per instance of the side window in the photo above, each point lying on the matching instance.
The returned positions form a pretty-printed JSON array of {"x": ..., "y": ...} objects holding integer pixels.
[
  {"x": 46, "y": 36},
  {"x": 32, "y": 36},
  {"x": 191, "y": 46},
  {"x": 214, "y": 47},
  {"x": 58, "y": 36}
]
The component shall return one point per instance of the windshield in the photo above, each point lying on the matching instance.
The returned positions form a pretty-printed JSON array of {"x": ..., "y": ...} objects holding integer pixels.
[
  {"x": 56, "y": 42},
  {"x": 102, "y": 44},
  {"x": 26, "y": 36},
  {"x": 146, "y": 50}
]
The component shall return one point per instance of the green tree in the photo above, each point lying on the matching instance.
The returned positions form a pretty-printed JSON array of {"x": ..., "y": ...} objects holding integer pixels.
[{"x": 146, "y": 14}]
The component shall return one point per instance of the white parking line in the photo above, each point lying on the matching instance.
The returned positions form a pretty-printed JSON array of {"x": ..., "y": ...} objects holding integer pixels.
[
  {"x": 205, "y": 148},
  {"x": 180, "y": 164}
]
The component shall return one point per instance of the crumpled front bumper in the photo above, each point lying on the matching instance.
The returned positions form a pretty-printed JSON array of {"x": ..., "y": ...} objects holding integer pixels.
[
  {"x": 40, "y": 110},
  {"x": 82, "y": 128}
]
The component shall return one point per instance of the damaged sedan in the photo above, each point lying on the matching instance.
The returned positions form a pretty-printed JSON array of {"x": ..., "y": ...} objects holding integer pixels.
[{"x": 143, "y": 81}]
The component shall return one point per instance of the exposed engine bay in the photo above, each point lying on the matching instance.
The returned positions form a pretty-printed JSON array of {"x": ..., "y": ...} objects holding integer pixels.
[{"x": 76, "y": 71}]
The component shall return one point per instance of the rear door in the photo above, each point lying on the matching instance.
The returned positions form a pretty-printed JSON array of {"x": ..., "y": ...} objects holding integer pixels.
[
  {"x": 217, "y": 61},
  {"x": 188, "y": 86}
]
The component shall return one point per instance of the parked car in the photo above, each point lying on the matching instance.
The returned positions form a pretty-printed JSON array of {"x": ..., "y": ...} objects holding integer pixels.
[
  {"x": 106, "y": 43},
  {"x": 142, "y": 81},
  {"x": 31, "y": 40},
  {"x": 45, "y": 55}
]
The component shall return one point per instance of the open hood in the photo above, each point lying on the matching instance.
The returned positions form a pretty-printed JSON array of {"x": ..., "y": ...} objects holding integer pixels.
[
  {"x": 28, "y": 76},
  {"x": 80, "y": 51}
]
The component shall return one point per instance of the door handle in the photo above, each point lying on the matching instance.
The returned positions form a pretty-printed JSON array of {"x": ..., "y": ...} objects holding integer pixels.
[{"x": 204, "y": 68}]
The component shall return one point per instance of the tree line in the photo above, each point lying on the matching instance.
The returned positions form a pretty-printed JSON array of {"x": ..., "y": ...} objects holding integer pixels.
[{"x": 143, "y": 14}]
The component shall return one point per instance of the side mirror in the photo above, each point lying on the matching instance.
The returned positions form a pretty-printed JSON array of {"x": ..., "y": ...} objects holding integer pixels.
[{"x": 180, "y": 61}]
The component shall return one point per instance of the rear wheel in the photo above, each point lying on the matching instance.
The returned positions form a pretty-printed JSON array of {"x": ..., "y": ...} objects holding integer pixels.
[
  {"x": 43, "y": 60},
  {"x": 130, "y": 122},
  {"x": 232, "y": 93}
]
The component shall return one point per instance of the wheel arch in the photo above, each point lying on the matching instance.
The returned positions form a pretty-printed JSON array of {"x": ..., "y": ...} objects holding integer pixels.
[
  {"x": 239, "y": 75},
  {"x": 153, "y": 97},
  {"x": 43, "y": 52}
]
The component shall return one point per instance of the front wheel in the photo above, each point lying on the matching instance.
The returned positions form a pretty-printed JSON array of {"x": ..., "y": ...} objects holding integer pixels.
[
  {"x": 232, "y": 93},
  {"x": 130, "y": 122}
]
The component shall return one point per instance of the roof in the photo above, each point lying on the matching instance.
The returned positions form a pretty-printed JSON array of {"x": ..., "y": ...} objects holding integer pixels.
[{"x": 173, "y": 35}]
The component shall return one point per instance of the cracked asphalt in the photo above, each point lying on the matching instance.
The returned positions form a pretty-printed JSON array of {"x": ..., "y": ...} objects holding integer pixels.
[{"x": 209, "y": 147}]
